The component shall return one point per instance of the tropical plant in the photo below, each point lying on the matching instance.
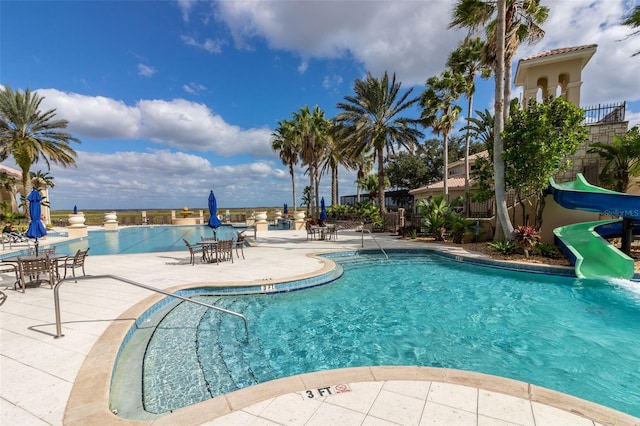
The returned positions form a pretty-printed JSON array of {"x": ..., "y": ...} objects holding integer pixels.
[
  {"x": 504, "y": 247},
  {"x": 632, "y": 19},
  {"x": 526, "y": 237},
  {"x": 285, "y": 142},
  {"x": 466, "y": 60},
  {"x": 306, "y": 197},
  {"x": 440, "y": 111},
  {"x": 622, "y": 159},
  {"x": 374, "y": 120},
  {"x": 370, "y": 184},
  {"x": 548, "y": 132},
  {"x": 435, "y": 211},
  {"x": 29, "y": 135},
  {"x": 481, "y": 128},
  {"x": 458, "y": 226},
  {"x": 546, "y": 250}
]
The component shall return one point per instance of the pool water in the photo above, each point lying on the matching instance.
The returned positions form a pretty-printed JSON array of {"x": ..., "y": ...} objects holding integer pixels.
[
  {"x": 142, "y": 239},
  {"x": 575, "y": 336}
]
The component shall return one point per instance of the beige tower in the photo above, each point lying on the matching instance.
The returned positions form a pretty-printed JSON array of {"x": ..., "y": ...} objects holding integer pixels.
[{"x": 556, "y": 72}]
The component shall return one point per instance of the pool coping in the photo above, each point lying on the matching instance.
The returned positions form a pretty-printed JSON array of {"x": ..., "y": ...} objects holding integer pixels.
[{"x": 88, "y": 402}]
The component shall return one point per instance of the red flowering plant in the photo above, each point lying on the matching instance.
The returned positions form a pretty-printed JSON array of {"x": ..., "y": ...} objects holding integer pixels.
[{"x": 526, "y": 237}]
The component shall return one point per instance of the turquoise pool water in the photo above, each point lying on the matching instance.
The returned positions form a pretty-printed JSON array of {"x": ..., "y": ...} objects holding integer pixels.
[
  {"x": 575, "y": 336},
  {"x": 141, "y": 239}
]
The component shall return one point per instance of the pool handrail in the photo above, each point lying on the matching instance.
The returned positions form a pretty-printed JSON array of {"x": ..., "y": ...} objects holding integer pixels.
[
  {"x": 56, "y": 299},
  {"x": 374, "y": 240}
]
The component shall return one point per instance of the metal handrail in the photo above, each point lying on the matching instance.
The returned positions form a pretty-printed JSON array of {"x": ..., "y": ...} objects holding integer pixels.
[
  {"x": 374, "y": 240},
  {"x": 56, "y": 299}
]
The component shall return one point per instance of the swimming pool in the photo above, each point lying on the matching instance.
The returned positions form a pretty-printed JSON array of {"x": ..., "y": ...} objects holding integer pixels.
[
  {"x": 574, "y": 336},
  {"x": 142, "y": 239}
]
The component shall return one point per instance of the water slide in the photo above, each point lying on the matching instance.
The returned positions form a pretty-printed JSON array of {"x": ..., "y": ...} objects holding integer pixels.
[{"x": 585, "y": 243}]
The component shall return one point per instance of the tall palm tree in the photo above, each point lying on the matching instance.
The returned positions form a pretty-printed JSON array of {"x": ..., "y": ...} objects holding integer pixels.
[
  {"x": 30, "y": 135},
  {"x": 523, "y": 20},
  {"x": 467, "y": 60},
  {"x": 334, "y": 158},
  {"x": 374, "y": 118},
  {"x": 440, "y": 111},
  {"x": 312, "y": 129},
  {"x": 284, "y": 141}
]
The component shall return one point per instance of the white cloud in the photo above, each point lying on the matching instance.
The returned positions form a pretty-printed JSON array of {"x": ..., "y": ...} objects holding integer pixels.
[
  {"x": 145, "y": 70},
  {"x": 186, "y": 6},
  {"x": 93, "y": 116},
  {"x": 178, "y": 123},
  {"x": 194, "y": 88},
  {"x": 211, "y": 46},
  {"x": 406, "y": 37},
  {"x": 160, "y": 179}
]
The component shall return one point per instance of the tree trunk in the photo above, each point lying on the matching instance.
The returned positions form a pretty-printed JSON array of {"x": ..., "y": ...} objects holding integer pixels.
[
  {"x": 466, "y": 146},
  {"x": 445, "y": 180},
  {"x": 381, "y": 199},
  {"x": 502, "y": 213},
  {"x": 334, "y": 186},
  {"x": 293, "y": 185}
]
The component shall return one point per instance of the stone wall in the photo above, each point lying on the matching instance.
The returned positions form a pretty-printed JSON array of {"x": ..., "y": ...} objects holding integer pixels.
[{"x": 590, "y": 164}]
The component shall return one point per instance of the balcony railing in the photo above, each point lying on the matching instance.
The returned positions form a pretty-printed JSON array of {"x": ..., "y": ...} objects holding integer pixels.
[{"x": 605, "y": 113}]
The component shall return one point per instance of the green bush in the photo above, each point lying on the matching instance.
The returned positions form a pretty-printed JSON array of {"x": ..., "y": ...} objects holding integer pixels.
[
  {"x": 546, "y": 250},
  {"x": 504, "y": 247}
]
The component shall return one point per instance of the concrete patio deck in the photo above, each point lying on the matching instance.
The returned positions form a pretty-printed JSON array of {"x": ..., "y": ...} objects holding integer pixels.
[{"x": 47, "y": 381}]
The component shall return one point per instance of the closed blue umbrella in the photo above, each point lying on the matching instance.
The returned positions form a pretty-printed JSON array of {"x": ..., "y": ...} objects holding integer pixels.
[
  {"x": 36, "y": 228},
  {"x": 214, "y": 222},
  {"x": 323, "y": 210},
  {"x": 286, "y": 209}
]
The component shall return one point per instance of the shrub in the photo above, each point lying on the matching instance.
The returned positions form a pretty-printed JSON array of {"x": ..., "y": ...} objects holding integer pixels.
[
  {"x": 526, "y": 237},
  {"x": 504, "y": 247},
  {"x": 546, "y": 250}
]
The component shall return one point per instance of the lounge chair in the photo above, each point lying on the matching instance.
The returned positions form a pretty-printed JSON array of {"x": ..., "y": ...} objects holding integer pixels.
[{"x": 75, "y": 262}]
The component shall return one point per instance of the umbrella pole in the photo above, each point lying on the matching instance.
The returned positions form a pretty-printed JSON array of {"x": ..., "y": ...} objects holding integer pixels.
[{"x": 37, "y": 246}]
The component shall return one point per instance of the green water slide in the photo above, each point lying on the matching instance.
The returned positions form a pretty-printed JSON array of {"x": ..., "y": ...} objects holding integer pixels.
[{"x": 585, "y": 243}]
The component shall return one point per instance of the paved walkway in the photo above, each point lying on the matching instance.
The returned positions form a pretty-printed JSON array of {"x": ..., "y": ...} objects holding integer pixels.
[{"x": 65, "y": 381}]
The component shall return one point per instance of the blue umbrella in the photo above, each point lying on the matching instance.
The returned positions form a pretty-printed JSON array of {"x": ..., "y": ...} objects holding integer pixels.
[
  {"x": 323, "y": 210},
  {"x": 36, "y": 228},
  {"x": 286, "y": 209},
  {"x": 214, "y": 222}
]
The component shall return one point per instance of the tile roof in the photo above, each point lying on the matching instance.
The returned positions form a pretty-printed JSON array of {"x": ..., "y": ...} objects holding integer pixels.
[{"x": 559, "y": 51}]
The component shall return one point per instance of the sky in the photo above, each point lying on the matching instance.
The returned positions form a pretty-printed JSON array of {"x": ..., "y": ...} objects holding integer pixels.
[{"x": 172, "y": 99}]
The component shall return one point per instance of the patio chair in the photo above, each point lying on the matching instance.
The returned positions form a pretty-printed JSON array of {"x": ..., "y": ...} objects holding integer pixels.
[
  {"x": 10, "y": 268},
  {"x": 42, "y": 251},
  {"x": 311, "y": 231},
  {"x": 193, "y": 250},
  {"x": 33, "y": 269},
  {"x": 224, "y": 251},
  {"x": 238, "y": 243},
  {"x": 77, "y": 261}
]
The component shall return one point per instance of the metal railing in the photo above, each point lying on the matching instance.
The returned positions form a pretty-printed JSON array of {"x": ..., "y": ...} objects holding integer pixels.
[
  {"x": 374, "y": 240},
  {"x": 56, "y": 299}
]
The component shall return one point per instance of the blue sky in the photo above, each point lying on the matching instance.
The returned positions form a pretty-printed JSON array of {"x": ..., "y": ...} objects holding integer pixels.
[{"x": 174, "y": 98}]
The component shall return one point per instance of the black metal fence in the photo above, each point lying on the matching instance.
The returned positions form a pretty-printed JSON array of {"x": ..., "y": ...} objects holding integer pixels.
[{"x": 605, "y": 113}]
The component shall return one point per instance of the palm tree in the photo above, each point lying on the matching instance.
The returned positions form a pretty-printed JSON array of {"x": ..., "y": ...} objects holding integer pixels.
[
  {"x": 30, "y": 135},
  {"x": 467, "y": 60},
  {"x": 622, "y": 159},
  {"x": 374, "y": 121},
  {"x": 334, "y": 158},
  {"x": 481, "y": 128},
  {"x": 522, "y": 20},
  {"x": 633, "y": 20},
  {"x": 312, "y": 129},
  {"x": 284, "y": 141},
  {"x": 440, "y": 111},
  {"x": 370, "y": 184}
]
